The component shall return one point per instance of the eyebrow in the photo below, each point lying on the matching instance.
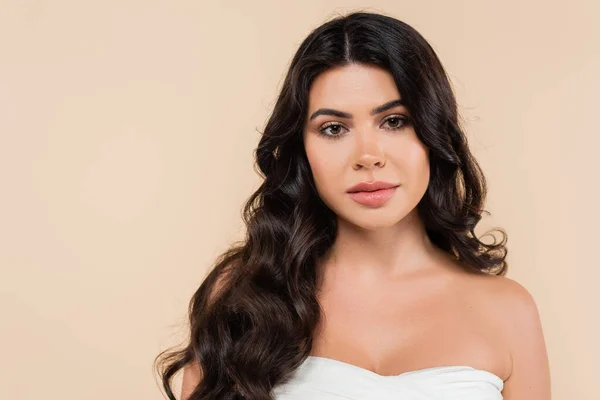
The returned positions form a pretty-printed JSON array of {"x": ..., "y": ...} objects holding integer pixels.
[{"x": 342, "y": 114}]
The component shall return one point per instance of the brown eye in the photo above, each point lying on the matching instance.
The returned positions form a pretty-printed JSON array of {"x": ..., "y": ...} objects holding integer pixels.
[
  {"x": 396, "y": 122},
  {"x": 331, "y": 131}
]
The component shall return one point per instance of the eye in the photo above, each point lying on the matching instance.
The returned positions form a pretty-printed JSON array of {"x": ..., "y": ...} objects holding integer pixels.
[
  {"x": 334, "y": 130},
  {"x": 396, "y": 122}
]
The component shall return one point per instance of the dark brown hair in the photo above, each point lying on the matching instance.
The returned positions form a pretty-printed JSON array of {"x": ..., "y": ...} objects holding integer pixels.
[{"x": 257, "y": 328}]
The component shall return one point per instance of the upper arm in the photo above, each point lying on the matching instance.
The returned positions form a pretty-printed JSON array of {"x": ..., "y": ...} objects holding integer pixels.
[
  {"x": 192, "y": 373},
  {"x": 530, "y": 375},
  {"x": 191, "y": 378}
]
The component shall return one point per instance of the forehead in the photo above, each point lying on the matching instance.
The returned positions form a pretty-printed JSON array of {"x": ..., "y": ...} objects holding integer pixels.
[{"x": 352, "y": 86}]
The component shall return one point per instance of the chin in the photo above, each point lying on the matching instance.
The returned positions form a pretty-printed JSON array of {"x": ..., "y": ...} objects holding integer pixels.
[{"x": 373, "y": 219}]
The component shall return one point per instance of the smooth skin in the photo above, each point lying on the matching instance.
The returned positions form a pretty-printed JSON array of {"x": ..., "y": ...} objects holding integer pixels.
[{"x": 407, "y": 305}]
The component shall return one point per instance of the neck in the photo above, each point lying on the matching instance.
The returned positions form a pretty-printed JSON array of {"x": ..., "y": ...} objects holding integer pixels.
[{"x": 382, "y": 253}]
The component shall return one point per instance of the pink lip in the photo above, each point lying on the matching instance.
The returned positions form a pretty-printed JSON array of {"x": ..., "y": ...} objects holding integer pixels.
[
  {"x": 372, "y": 193},
  {"x": 371, "y": 186},
  {"x": 373, "y": 198}
]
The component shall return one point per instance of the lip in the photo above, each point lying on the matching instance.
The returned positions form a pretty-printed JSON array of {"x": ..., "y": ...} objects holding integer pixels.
[
  {"x": 371, "y": 186},
  {"x": 372, "y": 194}
]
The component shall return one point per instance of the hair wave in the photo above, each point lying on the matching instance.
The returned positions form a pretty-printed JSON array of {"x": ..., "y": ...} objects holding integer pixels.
[{"x": 253, "y": 317}]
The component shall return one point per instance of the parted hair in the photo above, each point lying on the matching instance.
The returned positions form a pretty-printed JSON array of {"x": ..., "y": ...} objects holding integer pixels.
[{"x": 252, "y": 319}]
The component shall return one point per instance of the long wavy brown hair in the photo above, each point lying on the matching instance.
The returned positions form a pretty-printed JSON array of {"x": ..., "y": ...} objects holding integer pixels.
[{"x": 257, "y": 328}]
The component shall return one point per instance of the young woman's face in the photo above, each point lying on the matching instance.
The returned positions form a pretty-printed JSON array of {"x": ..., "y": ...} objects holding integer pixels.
[{"x": 355, "y": 133}]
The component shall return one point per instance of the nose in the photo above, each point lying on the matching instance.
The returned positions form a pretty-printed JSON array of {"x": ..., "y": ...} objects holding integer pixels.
[{"x": 369, "y": 153}]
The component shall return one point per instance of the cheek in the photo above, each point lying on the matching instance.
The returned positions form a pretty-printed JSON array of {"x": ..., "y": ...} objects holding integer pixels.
[
  {"x": 421, "y": 159},
  {"x": 414, "y": 162},
  {"x": 326, "y": 167},
  {"x": 323, "y": 169}
]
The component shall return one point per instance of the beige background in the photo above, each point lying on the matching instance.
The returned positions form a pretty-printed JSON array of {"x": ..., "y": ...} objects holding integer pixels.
[{"x": 126, "y": 132}]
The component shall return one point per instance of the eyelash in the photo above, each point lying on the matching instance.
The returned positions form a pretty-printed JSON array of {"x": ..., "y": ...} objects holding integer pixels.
[{"x": 321, "y": 130}]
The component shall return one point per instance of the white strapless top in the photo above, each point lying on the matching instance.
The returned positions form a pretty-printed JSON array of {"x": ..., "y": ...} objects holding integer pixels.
[{"x": 320, "y": 378}]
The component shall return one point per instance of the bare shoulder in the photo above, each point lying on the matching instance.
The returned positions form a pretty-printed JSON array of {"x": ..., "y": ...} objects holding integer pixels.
[
  {"x": 510, "y": 295},
  {"x": 516, "y": 315},
  {"x": 506, "y": 300}
]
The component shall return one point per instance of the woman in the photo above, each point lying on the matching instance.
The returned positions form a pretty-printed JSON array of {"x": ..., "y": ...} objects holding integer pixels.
[{"x": 361, "y": 276}]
